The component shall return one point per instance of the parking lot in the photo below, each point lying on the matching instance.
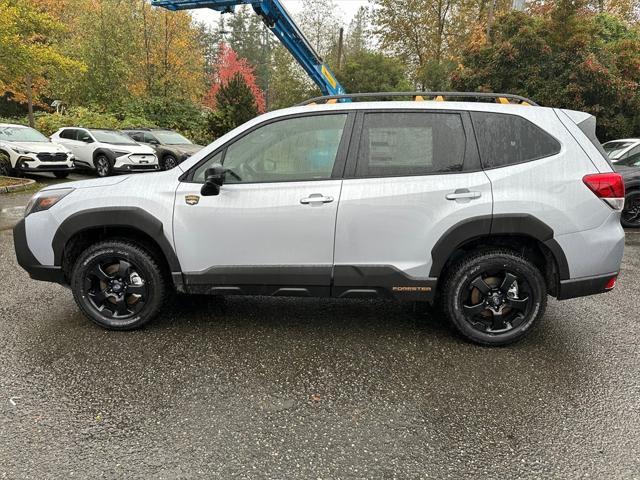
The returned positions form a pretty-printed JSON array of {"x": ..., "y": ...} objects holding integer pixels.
[{"x": 313, "y": 388}]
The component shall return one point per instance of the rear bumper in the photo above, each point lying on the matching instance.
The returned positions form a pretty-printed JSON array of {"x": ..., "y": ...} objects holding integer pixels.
[
  {"x": 26, "y": 259},
  {"x": 582, "y": 287}
]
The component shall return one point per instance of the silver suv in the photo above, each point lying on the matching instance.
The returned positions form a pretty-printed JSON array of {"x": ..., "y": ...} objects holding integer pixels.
[{"x": 480, "y": 208}]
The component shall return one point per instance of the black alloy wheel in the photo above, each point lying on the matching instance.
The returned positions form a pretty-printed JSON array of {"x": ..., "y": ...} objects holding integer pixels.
[
  {"x": 631, "y": 214},
  {"x": 118, "y": 284},
  {"x": 497, "y": 302},
  {"x": 494, "y": 297},
  {"x": 115, "y": 288},
  {"x": 169, "y": 162}
]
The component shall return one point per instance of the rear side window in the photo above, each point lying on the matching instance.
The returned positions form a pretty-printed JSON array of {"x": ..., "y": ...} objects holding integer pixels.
[
  {"x": 509, "y": 139},
  {"x": 69, "y": 134},
  {"x": 411, "y": 143}
]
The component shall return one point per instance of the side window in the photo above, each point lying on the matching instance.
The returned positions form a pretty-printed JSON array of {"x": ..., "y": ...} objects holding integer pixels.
[
  {"x": 83, "y": 136},
  {"x": 413, "y": 143},
  {"x": 148, "y": 138},
  {"x": 69, "y": 134},
  {"x": 505, "y": 139},
  {"x": 199, "y": 173},
  {"x": 296, "y": 149}
]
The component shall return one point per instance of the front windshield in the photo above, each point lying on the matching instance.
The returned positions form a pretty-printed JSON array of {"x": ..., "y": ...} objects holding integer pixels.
[
  {"x": 614, "y": 149},
  {"x": 108, "y": 136},
  {"x": 171, "y": 138},
  {"x": 21, "y": 134}
]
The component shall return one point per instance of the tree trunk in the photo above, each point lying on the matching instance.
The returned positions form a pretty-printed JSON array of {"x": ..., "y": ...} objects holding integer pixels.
[{"x": 29, "y": 82}]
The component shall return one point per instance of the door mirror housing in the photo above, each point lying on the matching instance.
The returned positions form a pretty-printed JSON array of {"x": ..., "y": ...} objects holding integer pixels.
[
  {"x": 86, "y": 139},
  {"x": 214, "y": 178}
]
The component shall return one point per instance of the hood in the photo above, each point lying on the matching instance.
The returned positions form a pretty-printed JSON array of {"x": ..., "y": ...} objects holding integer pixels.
[
  {"x": 131, "y": 148},
  {"x": 189, "y": 148},
  {"x": 39, "y": 147},
  {"x": 93, "y": 182}
]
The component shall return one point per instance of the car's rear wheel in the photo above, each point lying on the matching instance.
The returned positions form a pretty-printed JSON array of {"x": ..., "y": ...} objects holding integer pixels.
[
  {"x": 494, "y": 297},
  {"x": 631, "y": 214},
  {"x": 61, "y": 174},
  {"x": 118, "y": 285},
  {"x": 103, "y": 166},
  {"x": 169, "y": 162}
]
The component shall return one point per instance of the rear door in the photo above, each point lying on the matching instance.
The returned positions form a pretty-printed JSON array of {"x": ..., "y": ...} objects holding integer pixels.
[{"x": 411, "y": 176}]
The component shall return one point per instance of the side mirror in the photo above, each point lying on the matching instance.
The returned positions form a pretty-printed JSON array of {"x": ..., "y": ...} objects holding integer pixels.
[
  {"x": 86, "y": 139},
  {"x": 214, "y": 178},
  {"x": 153, "y": 141}
]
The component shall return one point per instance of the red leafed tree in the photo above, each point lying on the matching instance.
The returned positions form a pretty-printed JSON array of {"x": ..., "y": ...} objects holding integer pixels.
[{"x": 228, "y": 65}]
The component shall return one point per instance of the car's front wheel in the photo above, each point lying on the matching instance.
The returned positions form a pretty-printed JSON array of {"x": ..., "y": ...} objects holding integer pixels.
[
  {"x": 118, "y": 284},
  {"x": 103, "y": 166},
  {"x": 631, "y": 214},
  {"x": 5, "y": 166},
  {"x": 494, "y": 297}
]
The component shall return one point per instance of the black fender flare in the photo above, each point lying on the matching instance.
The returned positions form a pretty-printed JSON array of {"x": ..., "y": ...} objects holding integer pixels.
[
  {"x": 132, "y": 217},
  {"x": 487, "y": 226}
]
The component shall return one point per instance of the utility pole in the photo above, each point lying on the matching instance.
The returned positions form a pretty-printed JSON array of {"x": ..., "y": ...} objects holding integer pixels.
[{"x": 340, "y": 47}]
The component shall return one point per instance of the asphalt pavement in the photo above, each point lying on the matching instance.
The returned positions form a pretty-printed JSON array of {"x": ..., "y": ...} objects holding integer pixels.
[{"x": 313, "y": 388}]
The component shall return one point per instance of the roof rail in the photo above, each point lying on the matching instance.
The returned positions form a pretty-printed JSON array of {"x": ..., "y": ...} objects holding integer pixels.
[{"x": 506, "y": 98}]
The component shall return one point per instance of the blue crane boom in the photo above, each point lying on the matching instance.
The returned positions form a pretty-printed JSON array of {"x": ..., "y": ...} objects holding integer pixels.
[{"x": 278, "y": 20}]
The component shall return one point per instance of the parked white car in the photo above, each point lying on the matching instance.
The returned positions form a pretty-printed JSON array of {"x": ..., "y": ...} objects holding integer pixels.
[
  {"x": 106, "y": 151},
  {"x": 620, "y": 149},
  {"x": 24, "y": 149}
]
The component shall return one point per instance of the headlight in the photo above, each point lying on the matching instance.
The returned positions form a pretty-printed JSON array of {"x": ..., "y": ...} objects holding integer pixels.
[
  {"x": 119, "y": 154},
  {"x": 45, "y": 200},
  {"x": 22, "y": 151}
]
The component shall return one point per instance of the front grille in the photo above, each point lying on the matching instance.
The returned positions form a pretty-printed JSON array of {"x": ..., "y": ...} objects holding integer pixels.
[{"x": 52, "y": 157}]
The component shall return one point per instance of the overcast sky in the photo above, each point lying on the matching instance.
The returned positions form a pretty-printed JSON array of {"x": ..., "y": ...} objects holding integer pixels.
[{"x": 347, "y": 9}]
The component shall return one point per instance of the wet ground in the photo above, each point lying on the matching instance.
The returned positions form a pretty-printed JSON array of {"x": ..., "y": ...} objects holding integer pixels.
[{"x": 307, "y": 388}]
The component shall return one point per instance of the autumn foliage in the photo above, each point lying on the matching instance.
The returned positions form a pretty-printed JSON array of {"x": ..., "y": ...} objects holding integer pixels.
[{"x": 229, "y": 65}]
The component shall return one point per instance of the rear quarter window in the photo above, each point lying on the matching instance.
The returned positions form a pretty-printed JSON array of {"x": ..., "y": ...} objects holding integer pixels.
[{"x": 505, "y": 139}]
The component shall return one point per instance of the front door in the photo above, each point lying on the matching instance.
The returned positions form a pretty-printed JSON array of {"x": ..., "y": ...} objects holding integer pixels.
[{"x": 271, "y": 228}]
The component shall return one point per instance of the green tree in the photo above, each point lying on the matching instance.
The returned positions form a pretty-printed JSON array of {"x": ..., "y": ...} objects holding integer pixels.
[
  {"x": 289, "y": 83},
  {"x": 27, "y": 53},
  {"x": 566, "y": 58},
  {"x": 358, "y": 33},
  {"x": 235, "y": 105},
  {"x": 373, "y": 72}
]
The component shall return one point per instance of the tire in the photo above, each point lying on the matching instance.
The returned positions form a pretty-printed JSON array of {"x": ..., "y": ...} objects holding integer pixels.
[
  {"x": 5, "y": 166},
  {"x": 61, "y": 174},
  {"x": 118, "y": 285},
  {"x": 502, "y": 314},
  {"x": 169, "y": 162},
  {"x": 103, "y": 165},
  {"x": 631, "y": 214}
]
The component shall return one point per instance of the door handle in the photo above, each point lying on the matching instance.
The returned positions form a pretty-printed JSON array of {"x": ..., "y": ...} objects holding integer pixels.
[
  {"x": 463, "y": 194},
  {"x": 316, "y": 198}
]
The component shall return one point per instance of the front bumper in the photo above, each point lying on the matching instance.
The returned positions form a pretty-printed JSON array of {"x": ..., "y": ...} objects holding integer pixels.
[
  {"x": 31, "y": 163},
  {"x": 581, "y": 287},
  {"x": 26, "y": 259},
  {"x": 136, "y": 163}
]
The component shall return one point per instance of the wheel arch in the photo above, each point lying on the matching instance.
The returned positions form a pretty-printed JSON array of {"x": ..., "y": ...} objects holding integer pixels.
[
  {"x": 132, "y": 223},
  {"x": 523, "y": 233}
]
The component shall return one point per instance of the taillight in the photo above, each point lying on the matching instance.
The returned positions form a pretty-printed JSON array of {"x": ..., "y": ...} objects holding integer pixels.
[
  {"x": 611, "y": 283},
  {"x": 607, "y": 186}
]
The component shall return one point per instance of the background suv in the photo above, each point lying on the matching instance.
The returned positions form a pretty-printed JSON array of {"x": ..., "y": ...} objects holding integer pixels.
[
  {"x": 618, "y": 150},
  {"x": 106, "y": 151},
  {"x": 480, "y": 208},
  {"x": 24, "y": 149},
  {"x": 171, "y": 148}
]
